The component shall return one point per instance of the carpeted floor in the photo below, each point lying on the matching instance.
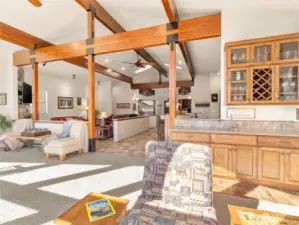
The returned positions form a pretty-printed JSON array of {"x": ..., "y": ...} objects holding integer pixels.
[{"x": 35, "y": 190}]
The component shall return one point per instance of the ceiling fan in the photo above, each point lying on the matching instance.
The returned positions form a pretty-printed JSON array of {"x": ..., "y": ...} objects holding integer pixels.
[
  {"x": 142, "y": 66},
  {"x": 36, "y": 3}
]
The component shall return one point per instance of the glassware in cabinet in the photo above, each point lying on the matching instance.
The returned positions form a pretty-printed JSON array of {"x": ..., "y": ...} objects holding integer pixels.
[
  {"x": 287, "y": 83},
  {"x": 238, "y": 86},
  {"x": 262, "y": 53},
  {"x": 238, "y": 56},
  {"x": 287, "y": 50}
]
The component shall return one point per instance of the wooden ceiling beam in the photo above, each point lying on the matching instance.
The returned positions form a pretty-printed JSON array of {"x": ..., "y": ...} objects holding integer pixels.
[
  {"x": 36, "y": 3},
  {"x": 108, "y": 21},
  {"x": 23, "y": 39},
  {"x": 188, "y": 30},
  {"x": 142, "y": 86},
  {"x": 172, "y": 14}
]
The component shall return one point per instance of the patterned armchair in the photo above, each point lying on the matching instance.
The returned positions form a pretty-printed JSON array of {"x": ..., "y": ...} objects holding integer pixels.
[{"x": 177, "y": 186}]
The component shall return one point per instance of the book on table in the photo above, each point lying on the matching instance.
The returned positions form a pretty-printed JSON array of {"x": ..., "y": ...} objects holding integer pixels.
[{"x": 99, "y": 209}]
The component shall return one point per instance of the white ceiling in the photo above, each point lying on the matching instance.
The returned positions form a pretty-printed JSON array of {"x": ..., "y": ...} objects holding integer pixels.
[{"x": 60, "y": 21}]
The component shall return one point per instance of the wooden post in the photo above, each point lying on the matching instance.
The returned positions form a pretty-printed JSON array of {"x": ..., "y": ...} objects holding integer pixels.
[
  {"x": 35, "y": 115},
  {"x": 91, "y": 89},
  {"x": 172, "y": 84}
]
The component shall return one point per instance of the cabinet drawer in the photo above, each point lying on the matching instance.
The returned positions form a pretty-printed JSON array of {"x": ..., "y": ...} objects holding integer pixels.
[
  {"x": 233, "y": 139},
  {"x": 281, "y": 142},
  {"x": 190, "y": 137}
]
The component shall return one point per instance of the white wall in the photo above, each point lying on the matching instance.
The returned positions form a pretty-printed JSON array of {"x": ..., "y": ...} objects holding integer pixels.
[
  {"x": 104, "y": 97},
  {"x": 204, "y": 85},
  {"x": 59, "y": 86},
  {"x": 8, "y": 80},
  {"x": 240, "y": 24}
]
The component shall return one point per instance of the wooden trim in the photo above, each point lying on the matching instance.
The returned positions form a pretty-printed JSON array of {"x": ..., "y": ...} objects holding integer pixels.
[
  {"x": 35, "y": 113},
  {"x": 193, "y": 29},
  {"x": 172, "y": 14},
  {"x": 172, "y": 84},
  {"x": 21, "y": 38},
  {"x": 263, "y": 39},
  {"x": 142, "y": 86},
  {"x": 91, "y": 82},
  {"x": 109, "y": 22}
]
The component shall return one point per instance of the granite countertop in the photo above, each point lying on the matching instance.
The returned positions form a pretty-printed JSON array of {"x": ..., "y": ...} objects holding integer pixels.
[{"x": 230, "y": 131}]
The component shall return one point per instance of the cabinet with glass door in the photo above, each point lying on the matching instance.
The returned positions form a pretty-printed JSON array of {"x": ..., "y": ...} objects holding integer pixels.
[
  {"x": 237, "y": 86},
  {"x": 262, "y": 53},
  {"x": 287, "y": 83},
  {"x": 238, "y": 56},
  {"x": 286, "y": 51}
]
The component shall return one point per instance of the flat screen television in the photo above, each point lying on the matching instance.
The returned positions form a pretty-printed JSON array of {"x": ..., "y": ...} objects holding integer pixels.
[{"x": 27, "y": 93}]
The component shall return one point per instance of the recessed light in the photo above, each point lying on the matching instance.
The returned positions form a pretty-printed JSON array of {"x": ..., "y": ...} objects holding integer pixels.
[
  {"x": 218, "y": 73},
  {"x": 180, "y": 62},
  {"x": 123, "y": 68},
  {"x": 107, "y": 60},
  {"x": 109, "y": 70}
]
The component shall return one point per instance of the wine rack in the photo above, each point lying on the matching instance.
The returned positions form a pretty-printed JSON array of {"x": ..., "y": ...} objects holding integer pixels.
[{"x": 262, "y": 85}]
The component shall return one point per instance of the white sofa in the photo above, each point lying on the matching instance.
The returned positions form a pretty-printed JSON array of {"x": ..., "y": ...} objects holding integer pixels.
[{"x": 76, "y": 142}]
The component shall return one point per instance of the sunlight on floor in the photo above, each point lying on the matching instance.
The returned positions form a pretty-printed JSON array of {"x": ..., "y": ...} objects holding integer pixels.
[
  {"x": 278, "y": 208},
  {"x": 48, "y": 173},
  {"x": 11, "y": 211},
  {"x": 101, "y": 183}
]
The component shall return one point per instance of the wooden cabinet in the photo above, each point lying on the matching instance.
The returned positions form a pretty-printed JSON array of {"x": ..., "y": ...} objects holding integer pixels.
[
  {"x": 264, "y": 159},
  {"x": 271, "y": 67},
  {"x": 287, "y": 83},
  {"x": 271, "y": 164},
  {"x": 292, "y": 166},
  {"x": 287, "y": 50},
  {"x": 237, "y": 91},
  {"x": 262, "y": 53},
  {"x": 262, "y": 87},
  {"x": 245, "y": 162},
  {"x": 222, "y": 160},
  {"x": 238, "y": 56}
]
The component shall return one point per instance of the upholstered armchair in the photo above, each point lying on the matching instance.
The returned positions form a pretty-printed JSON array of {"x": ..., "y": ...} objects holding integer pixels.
[{"x": 177, "y": 186}]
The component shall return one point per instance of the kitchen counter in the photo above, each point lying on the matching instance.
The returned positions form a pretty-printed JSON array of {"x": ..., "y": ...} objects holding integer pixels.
[{"x": 232, "y": 131}]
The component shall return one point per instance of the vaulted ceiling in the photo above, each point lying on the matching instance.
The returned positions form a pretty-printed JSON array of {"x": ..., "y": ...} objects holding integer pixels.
[{"x": 60, "y": 21}]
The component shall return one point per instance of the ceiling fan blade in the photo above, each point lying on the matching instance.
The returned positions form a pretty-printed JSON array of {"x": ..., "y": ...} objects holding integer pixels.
[
  {"x": 149, "y": 63},
  {"x": 140, "y": 70},
  {"x": 36, "y": 3}
]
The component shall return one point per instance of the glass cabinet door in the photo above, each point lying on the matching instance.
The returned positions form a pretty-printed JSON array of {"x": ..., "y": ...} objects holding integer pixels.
[
  {"x": 287, "y": 51},
  {"x": 237, "y": 88},
  {"x": 262, "y": 53},
  {"x": 262, "y": 85},
  {"x": 238, "y": 56},
  {"x": 287, "y": 83}
]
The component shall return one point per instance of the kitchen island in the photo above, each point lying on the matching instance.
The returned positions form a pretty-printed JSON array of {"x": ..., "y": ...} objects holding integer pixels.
[{"x": 265, "y": 155}]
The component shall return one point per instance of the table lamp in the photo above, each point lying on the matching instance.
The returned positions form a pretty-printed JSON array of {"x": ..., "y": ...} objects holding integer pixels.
[{"x": 103, "y": 116}]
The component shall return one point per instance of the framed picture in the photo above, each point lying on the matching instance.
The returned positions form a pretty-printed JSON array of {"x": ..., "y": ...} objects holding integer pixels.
[
  {"x": 3, "y": 99},
  {"x": 123, "y": 105},
  {"x": 79, "y": 101},
  {"x": 297, "y": 114},
  {"x": 214, "y": 97},
  {"x": 65, "y": 103}
]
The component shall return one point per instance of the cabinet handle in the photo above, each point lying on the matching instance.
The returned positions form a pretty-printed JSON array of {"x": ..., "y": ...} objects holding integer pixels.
[
  {"x": 284, "y": 142},
  {"x": 190, "y": 136},
  {"x": 282, "y": 153}
]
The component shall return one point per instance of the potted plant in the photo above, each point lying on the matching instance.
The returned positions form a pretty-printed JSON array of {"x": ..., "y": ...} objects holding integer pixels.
[{"x": 5, "y": 123}]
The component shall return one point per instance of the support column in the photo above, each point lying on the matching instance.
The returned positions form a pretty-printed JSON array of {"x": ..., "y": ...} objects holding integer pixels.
[
  {"x": 35, "y": 114},
  {"x": 172, "y": 84},
  {"x": 91, "y": 88}
]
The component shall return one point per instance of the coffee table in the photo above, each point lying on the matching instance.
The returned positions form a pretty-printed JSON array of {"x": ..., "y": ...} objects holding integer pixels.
[
  {"x": 27, "y": 140},
  {"x": 77, "y": 214},
  {"x": 247, "y": 216}
]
